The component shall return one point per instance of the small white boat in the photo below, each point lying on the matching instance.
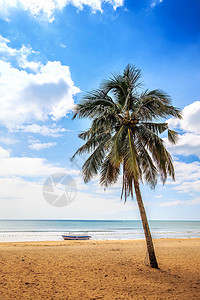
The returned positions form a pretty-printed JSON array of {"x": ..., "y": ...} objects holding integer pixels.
[{"x": 76, "y": 236}]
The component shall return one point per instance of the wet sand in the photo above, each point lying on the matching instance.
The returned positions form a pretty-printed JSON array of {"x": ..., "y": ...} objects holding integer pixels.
[{"x": 99, "y": 270}]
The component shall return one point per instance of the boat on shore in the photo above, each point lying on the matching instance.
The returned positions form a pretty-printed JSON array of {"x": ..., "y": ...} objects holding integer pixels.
[{"x": 76, "y": 236}]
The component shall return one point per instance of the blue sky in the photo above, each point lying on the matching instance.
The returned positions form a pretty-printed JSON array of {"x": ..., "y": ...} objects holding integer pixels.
[{"x": 52, "y": 52}]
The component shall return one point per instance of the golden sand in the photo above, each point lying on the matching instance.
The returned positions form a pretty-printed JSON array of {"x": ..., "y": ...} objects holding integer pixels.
[{"x": 99, "y": 270}]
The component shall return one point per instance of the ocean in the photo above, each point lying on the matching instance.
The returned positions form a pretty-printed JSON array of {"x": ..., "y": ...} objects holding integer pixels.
[{"x": 52, "y": 230}]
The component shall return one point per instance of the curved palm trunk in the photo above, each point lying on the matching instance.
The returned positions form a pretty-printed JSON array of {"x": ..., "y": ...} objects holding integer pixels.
[{"x": 149, "y": 241}]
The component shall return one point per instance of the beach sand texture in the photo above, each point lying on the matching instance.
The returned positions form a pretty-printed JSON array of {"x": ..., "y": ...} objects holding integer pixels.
[{"x": 99, "y": 270}]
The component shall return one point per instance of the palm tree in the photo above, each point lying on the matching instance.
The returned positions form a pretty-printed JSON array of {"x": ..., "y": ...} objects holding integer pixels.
[{"x": 124, "y": 136}]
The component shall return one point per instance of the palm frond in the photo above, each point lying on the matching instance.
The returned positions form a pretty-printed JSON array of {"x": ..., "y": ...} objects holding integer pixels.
[
  {"x": 172, "y": 136},
  {"x": 127, "y": 184},
  {"x": 132, "y": 75},
  {"x": 92, "y": 144},
  {"x": 149, "y": 170},
  {"x": 94, "y": 162},
  {"x": 156, "y": 147},
  {"x": 156, "y": 104},
  {"x": 130, "y": 157},
  {"x": 156, "y": 127},
  {"x": 110, "y": 171},
  {"x": 94, "y": 104},
  {"x": 118, "y": 145}
]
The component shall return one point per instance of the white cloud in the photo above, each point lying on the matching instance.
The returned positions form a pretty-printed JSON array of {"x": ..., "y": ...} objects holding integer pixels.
[
  {"x": 32, "y": 65},
  {"x": 156, "y": 2},
  {"x": 187, "y": 184},
  {"x": 62, "y": 45},
  {"x": 189, "y": 187},
  {"x": 26, "y": 97},
  {"x": 53, "y": 131},
  {"x": 189, "y": 140},
  {"x": 28, "y": 166},
  {"x": 41, "y": 146},
  {"x": 21, "y": 55},
  {"x": 21, "y": 183},
  {"x": 186, "y": 187},
  {"x": 181, "y": 202},
  {"x": 25, "y": 166},
  {"x": 3, "y": 41},
  {"x": 185, "y": 173},
  {"x": 191, "y": 119},
  {"x": 8, "y": 51},
  {"x": 4, "y": 153},
  {"x": 8, "y": 140},
  {"x": 188, "y": 144},
  {"x": 46, "y": 8},
  {"x": 25, "y": 200}
]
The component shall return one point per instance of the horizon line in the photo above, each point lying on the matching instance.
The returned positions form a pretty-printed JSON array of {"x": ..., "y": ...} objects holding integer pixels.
[{"x": 99, "y": 220}]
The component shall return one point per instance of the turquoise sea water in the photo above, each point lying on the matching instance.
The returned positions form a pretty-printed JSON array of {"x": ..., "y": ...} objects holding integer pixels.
[{"x": 52, "y": 230}]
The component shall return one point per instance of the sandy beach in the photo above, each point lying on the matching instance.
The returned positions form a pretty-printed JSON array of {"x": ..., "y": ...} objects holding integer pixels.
[{"x": 99, "y": 270}]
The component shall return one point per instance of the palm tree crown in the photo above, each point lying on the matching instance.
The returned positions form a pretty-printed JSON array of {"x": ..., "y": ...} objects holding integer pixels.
[{"x": 124, "y": 133}]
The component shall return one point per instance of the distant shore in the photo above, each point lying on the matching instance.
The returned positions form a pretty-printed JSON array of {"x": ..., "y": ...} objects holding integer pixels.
[{"x": 99, "y": 270}]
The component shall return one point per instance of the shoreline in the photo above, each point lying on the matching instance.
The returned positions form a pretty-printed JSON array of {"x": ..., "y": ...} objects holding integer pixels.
[
  {"x": 52, "y": 230},
  {"x": 99, "y": 270},
  {"x": 57, "y": 242}
]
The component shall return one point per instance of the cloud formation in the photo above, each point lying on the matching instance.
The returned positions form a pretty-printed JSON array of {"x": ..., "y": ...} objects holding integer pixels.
[
  {"x": 189, "y": 140},
  {"x": 191, "y": 119},
  {"x": 27, "y": 97},
  {"x": 20, "y": 55},
  {"x": 156, "y": 2},
  {"x": 41, "y": 146},
  {"x": 46, "y": 9},
  {"x": 188, "y": 144},
  {"x": 45, "y": 130},
  {"x": 181, "y": 202},
  {"x": 185, "y": 190},
  {"x": 8, "y": 140},
  {"x": 25, "y": 166},
  {"x": 21, "y": 180},
  {"x": 187, "y": 174}
]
